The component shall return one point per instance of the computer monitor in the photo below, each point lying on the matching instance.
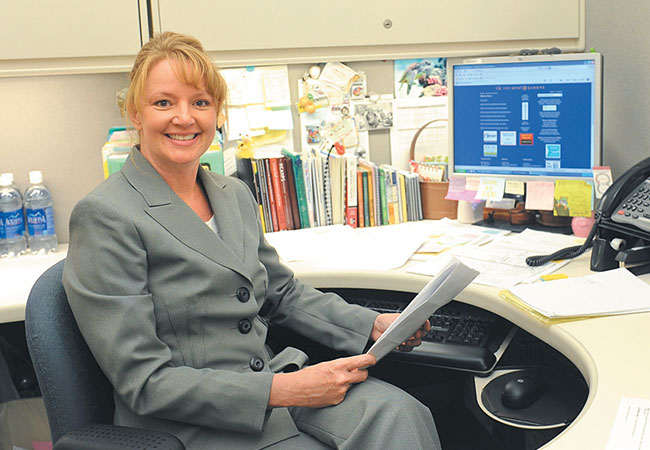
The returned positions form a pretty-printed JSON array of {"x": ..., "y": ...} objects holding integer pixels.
[{"x": 526, "y": 117}]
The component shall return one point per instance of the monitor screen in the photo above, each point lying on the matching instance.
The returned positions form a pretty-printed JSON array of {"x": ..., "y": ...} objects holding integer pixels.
[{"x": 527, "y": 117}]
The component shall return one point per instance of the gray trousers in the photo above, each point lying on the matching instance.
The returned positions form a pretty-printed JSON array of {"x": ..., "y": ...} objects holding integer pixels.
[{"x": 374, "y": 415}]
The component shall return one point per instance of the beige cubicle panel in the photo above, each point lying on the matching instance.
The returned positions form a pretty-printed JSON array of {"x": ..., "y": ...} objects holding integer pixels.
[{"x": 292, "y": 31}]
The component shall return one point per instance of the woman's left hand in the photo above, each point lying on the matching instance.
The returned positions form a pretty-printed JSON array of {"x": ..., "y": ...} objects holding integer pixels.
[{"x": 383, "y": 321}]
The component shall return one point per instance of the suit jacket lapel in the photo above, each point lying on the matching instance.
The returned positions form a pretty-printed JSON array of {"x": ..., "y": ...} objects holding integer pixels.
[
  {"x": 164, "y": 206},
  {"x": 226, "y": 212}
]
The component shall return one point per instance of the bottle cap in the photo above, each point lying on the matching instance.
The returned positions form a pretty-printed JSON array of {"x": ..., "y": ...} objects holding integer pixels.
[
  {"x": 9, "y": 175},
  {"x": 35, "y": 177},
  {"x": 5, "y": 180}
]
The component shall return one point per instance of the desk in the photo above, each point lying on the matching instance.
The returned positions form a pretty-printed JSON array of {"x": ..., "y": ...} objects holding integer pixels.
[
  {"x": 609, "y": 351},
  {"x": 17, "y": 276}
]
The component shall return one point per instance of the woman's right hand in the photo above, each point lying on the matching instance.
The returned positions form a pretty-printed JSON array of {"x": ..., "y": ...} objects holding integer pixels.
[{"x": 323, "y": 384}]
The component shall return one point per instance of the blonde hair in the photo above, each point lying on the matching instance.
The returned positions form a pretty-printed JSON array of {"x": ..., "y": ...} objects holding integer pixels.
[{"x": 182, "y": 49}]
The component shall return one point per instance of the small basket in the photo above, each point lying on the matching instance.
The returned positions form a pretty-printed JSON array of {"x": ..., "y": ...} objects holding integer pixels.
[{"x": 434, "y": 204}]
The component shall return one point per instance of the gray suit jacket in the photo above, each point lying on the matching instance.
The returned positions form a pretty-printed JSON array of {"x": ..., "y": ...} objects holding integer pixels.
[{"x": 176, "y": 316}]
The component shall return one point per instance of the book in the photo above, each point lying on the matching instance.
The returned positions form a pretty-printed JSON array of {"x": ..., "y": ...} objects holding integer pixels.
[
  {"x": 293, "y": 194},
  {"x": 360, "y": 207},
  {"x": 285, "y": 195},
  {"x": 382, "y": 196},
  {"x": 266, "y": 207},
  {"x": 309, "y": 188},
  {"x": 299, "y": 181},
  {"x": 376, "y": 194},
  {"x": 258, "y": 193},
  {"x": 366, "y": 201},
  {"x": 402, "y": 197},
  {"x": 327, "y": 189},
  {"x": 270, "y": 186},
  {"x": 351, "y": 196},
  {"x": 444, "y": 286}
]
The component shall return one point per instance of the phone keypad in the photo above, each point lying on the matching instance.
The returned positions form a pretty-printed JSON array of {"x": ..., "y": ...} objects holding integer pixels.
[{"x": 635, "y": 209}]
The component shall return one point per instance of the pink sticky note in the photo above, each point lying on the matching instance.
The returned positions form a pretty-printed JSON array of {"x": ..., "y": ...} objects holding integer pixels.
[
  {"x": 539, "y": 195},
  {"x": 458, "y": 191}
]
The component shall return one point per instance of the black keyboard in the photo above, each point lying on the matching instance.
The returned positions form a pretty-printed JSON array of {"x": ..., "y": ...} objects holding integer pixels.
[{"x": 462, "y": 336}]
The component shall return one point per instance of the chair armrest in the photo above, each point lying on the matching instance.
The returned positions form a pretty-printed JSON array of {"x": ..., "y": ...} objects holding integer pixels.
[{"x": 101, "y": 436}]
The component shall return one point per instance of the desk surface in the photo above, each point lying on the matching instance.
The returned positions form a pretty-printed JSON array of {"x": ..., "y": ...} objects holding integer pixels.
[{"x": 609, "y": 351}]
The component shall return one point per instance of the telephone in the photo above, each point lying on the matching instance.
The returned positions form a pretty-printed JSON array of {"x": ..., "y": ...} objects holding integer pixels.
[{"x": 621, "y": 231}]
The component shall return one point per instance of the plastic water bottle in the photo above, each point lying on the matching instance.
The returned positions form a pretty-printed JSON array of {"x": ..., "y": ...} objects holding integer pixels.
[
  {"x": 40, "y": 215},
  {"x": 12, "y": 223}
]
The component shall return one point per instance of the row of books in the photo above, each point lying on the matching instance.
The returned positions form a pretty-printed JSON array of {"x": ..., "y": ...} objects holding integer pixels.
[{"x": 303, "y": 190}]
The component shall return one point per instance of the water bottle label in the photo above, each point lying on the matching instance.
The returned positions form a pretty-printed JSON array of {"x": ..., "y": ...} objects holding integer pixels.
[
  {"x": 13, "y": 224},
  {"x": 3, "y": 234},
  {"x": 40, "y": 222}
]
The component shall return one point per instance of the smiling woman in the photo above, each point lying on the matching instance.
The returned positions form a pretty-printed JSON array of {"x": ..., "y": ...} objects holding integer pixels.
[{"x": 176, "y": 312}]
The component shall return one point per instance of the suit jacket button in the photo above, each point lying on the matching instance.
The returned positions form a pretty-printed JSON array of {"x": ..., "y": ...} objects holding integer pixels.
[
  {"x": 256, "y": 364},
  {"x": 243, "y": 294},
  {"x": 244, "y": 326}
]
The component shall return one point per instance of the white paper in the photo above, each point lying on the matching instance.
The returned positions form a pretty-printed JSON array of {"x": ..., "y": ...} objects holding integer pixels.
[
  {"x": 275, "y": 80},
  {"x": 631, "y": 430},
  {"x": 343, "y": 247},
  {"x": 615, "y": 291},
  {"x": 447, "y": 284},
  {"x": 502, "y": 262}
]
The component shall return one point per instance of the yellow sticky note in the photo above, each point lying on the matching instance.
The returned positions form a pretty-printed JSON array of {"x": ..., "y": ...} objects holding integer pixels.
[
  {"x": 515, "y": 187},
  {"x": 572, "y": 198},
  {"x": 553, "y": 276}
]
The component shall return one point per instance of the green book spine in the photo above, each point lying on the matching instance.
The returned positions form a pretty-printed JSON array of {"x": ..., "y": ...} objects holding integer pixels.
[
  {"x": 382, "y": 195},
  {"x": 366, "y": 209},
  {"x": 296, "y": 163}
]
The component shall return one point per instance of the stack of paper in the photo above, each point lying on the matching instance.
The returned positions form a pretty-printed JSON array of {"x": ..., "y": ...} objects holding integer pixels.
[{"x": 616, "y": 291}]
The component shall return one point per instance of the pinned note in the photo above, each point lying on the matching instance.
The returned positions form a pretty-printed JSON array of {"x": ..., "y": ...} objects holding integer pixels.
[
  {"x": 572, "y": 198},
  {"x": 602, "y": 180},
  {"x": 515, "y": 187},
  {"x": 458, "y": 190},
  {"x": 490, "y": 188},
  {"x": 540, "y": 195}
]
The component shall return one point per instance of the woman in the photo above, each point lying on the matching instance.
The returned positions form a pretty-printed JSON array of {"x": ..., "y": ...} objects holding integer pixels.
[{"x": 176, "y": 312}]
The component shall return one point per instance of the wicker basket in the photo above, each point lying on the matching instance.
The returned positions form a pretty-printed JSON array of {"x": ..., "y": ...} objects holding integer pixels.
[{"x": 434, "y": 204}]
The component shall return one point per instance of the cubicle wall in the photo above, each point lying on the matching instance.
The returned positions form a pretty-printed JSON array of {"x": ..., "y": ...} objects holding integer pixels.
[
  {"x": 58, "y": 123},
  {"x": 292, "y": 31}
]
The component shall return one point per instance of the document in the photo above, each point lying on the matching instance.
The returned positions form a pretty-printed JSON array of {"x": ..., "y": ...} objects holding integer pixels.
[
  {"x": 447, "y": 283},
  {"x": 631, "y": 429},
  {"x": 615, "y": 291}
]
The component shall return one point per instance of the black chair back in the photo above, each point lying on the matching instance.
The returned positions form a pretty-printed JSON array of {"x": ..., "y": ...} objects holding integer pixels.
[{"x": 75, "y": 390}]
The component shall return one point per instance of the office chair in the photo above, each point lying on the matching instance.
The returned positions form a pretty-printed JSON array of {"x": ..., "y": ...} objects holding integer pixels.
[{"x": 78, "y": 397}]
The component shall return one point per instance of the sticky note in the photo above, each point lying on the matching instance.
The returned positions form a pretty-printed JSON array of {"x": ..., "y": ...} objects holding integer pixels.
[
  {"x": 539, "y": 195},
  {"x": 572, "y": 198}
]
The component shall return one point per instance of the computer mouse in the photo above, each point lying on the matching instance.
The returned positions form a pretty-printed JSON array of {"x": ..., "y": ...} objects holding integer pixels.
[{"x": 523, "y": 390}]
